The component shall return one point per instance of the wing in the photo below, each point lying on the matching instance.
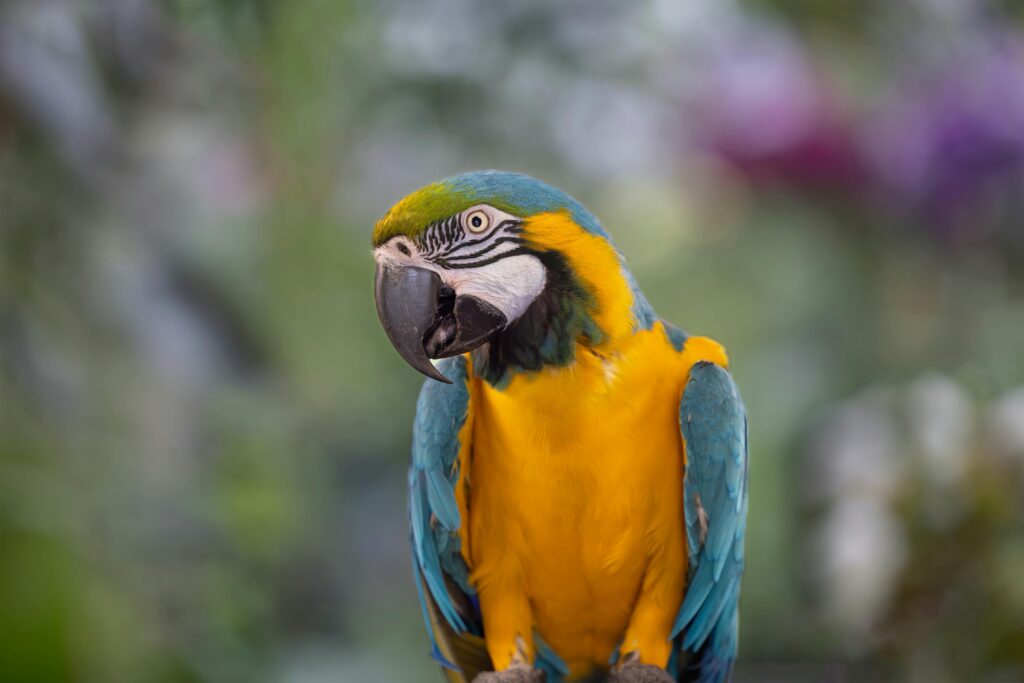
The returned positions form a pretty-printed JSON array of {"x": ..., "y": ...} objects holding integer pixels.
[
  {"x": 714, "y": 426},
  {"x": 442, "y": 578}
]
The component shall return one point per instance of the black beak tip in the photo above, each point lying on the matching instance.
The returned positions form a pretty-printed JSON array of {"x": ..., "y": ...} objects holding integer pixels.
[{"x": 436, "y": 374}]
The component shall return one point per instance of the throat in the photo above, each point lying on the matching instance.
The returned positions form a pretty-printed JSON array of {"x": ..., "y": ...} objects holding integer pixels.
[{"x": 558, "y": 325}]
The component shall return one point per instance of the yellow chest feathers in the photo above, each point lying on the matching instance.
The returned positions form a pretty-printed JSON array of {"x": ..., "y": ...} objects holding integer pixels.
[{"x": 574, "y": 476}]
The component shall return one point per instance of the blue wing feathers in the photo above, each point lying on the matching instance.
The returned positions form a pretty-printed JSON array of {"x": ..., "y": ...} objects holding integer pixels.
[
  {"x": 435, "y": 651},
  {"x": 441, "y": 497},
  {"x": 714, "y": 426},
  {"x": 427, "y": 556},
  {"x": 434, "y": 518}
]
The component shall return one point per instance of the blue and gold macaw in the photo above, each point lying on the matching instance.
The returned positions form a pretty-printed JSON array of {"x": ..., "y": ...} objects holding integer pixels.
[{"x": 578, "y": 489}]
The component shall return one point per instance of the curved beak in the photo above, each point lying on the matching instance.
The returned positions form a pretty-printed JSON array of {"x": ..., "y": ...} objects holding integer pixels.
[
  {"x": 424, "y": 319},
  {"x": 406, "y": 302}
]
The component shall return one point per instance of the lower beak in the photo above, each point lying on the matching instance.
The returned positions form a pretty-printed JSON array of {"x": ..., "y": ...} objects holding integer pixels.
[{"x": 424, "y": 320}]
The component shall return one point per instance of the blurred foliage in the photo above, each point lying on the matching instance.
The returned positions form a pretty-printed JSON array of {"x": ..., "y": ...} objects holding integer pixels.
[{"x": 203, "y": 432}]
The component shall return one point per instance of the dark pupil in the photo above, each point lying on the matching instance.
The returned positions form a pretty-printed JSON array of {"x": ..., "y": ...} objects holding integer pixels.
[
  {"x": 404, "y": 249},
  {"x": 476, "y": 221}
]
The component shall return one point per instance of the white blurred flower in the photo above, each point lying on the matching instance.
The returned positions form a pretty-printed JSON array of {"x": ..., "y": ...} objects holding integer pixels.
[
  {"x": 941, "y": 419},
  {"x": 857, "y": 451},
  {"x": 1006, "y": 424},
  {"x": 860, "y": 548},
  {"x": 634, "y": 128},
  {"x": 767, "y": 80}
]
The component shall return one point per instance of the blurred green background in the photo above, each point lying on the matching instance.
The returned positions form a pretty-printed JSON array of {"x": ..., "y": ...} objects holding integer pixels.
[{"x": 204, "y": 432}]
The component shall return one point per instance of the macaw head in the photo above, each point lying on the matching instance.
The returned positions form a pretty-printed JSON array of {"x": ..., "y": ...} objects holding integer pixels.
[{"x": 501, "y": 263}]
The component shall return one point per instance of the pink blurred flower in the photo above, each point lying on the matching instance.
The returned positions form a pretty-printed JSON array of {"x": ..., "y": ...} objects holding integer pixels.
[
  {"x": 769, "y": 113},
  {"x": 954, "y": 148}
]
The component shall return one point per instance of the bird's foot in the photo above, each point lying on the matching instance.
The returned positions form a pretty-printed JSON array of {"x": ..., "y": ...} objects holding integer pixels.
[
  {"x": 635, "y": 672},
  {"x": 518, "y": 673}
]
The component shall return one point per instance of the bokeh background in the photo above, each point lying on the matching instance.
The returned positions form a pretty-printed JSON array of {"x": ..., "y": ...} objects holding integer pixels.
[{"x": 204, "y": 432}]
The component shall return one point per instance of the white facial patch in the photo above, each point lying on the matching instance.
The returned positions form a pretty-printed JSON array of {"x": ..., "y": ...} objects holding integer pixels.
[{"x": 509, "y": 284}]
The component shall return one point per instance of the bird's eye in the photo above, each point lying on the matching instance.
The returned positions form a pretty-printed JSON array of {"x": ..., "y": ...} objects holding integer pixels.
[
  {"x": 404, "y": 249},
  {"x": 477, "y": 221}
]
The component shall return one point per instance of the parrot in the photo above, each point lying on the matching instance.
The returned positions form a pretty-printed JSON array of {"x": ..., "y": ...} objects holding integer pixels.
[{"x": 578, "y": 485}]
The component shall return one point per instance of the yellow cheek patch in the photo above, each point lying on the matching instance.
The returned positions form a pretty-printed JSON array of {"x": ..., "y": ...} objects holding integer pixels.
[{"x": 594, "y": 261}]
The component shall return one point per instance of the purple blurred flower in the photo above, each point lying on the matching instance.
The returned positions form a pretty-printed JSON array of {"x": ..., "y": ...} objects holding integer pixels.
[
  {"x": 771, "y": 115},
  {"x": 949, "y": 149}
]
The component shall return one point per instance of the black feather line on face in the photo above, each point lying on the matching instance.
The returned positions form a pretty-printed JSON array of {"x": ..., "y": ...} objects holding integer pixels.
[
  {"x": 486, "y": 250},
  {"x": 440, "y": 236},
  {"x": 441, "y": 242},
  {"x": 484, "y": 239},
  {"x": 518, "y": 251},
  {"x": 510, "y": 227}
]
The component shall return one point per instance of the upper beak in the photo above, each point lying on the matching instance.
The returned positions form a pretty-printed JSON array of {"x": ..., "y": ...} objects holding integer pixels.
[{"x": 424, "y": 320}]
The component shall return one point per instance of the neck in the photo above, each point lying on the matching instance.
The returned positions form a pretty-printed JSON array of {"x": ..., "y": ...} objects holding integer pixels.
[{"x": 590, "y": 302}]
